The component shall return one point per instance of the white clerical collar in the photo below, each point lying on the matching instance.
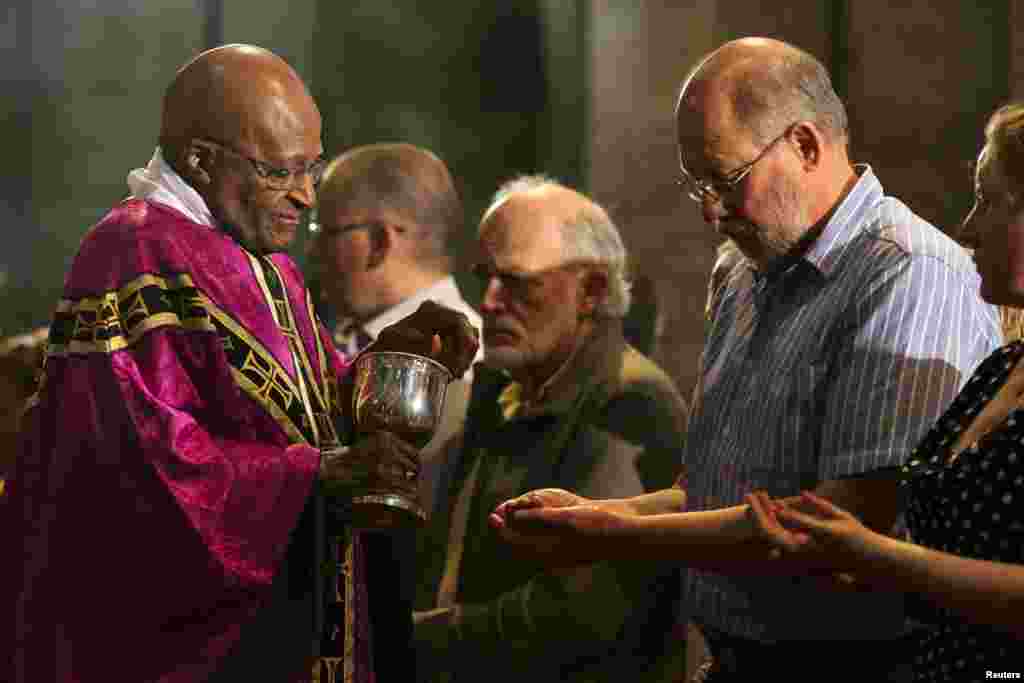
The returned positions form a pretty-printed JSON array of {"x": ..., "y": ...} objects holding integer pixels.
[{"x": 159, "y": 183}]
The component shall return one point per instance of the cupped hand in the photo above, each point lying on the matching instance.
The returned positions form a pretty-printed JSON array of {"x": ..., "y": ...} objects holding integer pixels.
[
  {"x": 539, "y": 498},
  {"x": 581, "y": 532},
  {"x": 434, "y": 331},
  {"x": 378, "y": 461}
]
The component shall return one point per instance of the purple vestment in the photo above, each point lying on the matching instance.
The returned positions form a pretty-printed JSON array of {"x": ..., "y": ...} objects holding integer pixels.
[{"x": 167, "y": 462}]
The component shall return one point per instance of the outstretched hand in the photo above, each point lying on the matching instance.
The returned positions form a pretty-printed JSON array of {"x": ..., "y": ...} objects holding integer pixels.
[
  {"x": 541, "y": 498},
  {"x": 557, "y": 528},
  {"x": 434, "y": 331}
]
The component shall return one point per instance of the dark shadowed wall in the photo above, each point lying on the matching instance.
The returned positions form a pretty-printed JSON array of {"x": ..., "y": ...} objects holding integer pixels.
[{"x": 581, "y": 89}]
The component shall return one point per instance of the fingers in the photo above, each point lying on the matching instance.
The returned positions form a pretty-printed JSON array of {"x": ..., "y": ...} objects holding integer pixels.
[
  {"x": 526, "y": 501},
  {"x": 457, "y": 340},
  {"x": 502, "y": 512},
  {"x": 540, "y": 518},
  {"x": 384, "y": 444},
  {"x": 763, "y": 510},
  {"x": 496, "y": 520},
  {"x": 824, "y": 505},
  {"x": 391, "y": 449},
  {"x": 813, "y": 513},
  {"x": 794, "y": 519},
  {"x": 379, "y": 460}
]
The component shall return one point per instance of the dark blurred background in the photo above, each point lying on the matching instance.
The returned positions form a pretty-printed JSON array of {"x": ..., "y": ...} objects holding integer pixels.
[{"x": 581, "y": 90}]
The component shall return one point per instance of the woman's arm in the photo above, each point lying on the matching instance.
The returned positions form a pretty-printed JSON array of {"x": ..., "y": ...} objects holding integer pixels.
[{"x": 981, "y": 591}]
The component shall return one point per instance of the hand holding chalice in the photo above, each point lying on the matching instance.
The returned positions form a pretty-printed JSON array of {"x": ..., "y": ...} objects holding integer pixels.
[
  {"x": 398, "y": 387},
  {"x": 378, "y": 461},
  {"x": 400, "y": 394}
]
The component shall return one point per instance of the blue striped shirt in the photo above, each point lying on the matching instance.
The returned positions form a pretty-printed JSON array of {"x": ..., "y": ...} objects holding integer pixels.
[{"x": 834, "y": 364}]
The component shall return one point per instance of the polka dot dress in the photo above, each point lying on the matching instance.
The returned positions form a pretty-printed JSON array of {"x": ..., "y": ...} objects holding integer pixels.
[{"x": 973, "y": 507}]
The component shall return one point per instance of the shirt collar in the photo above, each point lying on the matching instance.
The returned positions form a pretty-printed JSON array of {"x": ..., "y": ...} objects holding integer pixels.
[
  {"x": 844, "y": 225},
  {"x": 443, "y": 291},
  {"x": 160, "y": 183}
]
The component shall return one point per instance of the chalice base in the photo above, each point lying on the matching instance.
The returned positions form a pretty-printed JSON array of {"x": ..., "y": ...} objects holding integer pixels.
[{"x": 383, "y": 511}]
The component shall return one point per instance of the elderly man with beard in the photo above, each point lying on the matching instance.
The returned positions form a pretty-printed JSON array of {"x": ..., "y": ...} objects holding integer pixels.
[
  {"x": 170, "y": 495},
  {"x": 562, "y": 401},
  {"x": 838, "y": 338}
]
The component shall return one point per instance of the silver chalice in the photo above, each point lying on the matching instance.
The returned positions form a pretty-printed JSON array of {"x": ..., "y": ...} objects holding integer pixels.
[{"x": 402, "y": 393}]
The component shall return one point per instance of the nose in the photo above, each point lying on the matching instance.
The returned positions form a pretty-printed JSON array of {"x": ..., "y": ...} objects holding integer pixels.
[{"x": 304, "y": 191}]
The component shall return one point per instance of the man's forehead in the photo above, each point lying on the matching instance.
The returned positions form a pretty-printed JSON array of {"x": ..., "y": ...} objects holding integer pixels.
[
  {"x": 339, "y": 212},
  {"x": 707, "y": 129},
  {"x": 284, "y": 129},
  {"x": 522, "y": 234}
]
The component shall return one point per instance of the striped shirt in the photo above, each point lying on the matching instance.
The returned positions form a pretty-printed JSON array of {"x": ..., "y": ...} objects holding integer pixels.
[{"x": 832, "y": 364}]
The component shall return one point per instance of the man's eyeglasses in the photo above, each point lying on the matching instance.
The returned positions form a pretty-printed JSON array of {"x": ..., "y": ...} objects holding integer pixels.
[
  {"x": 276, "y": 177},
  {"x": 701, "y": 190}
]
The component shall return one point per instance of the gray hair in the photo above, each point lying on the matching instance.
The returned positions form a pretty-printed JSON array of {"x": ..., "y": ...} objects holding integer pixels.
[{"x": 589, "y": 237}]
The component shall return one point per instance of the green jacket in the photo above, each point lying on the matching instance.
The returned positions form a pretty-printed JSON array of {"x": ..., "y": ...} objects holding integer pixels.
[{"x": 610, "y": 425}]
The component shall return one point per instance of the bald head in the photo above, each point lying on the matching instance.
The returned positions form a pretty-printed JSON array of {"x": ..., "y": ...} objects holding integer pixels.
[
  {"x": 234, "y": 94},
  {"x": 764, "y": 85},
  {"x": 559, "y": 206}
]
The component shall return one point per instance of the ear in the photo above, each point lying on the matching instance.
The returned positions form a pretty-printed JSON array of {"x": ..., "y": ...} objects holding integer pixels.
[
  {"x": 382, "y": 241},
  {"x": 595, "y": 291},
  {"x": 809, "y": 142},
  {"x": 196, "y": 161}
]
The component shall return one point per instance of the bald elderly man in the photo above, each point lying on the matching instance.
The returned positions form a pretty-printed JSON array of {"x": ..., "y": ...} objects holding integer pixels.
[
  {"x": 561, "y": 400},
  {"x": 183, "y": 453},
  {"x": 839, "y": 336}
]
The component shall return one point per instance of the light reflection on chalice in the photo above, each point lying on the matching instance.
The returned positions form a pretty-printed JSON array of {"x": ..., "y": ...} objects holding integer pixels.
[{"x": 402, "y": 393}]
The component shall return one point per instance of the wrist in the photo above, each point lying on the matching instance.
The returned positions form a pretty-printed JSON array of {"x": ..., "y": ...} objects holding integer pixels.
[
  {"x": 870, "y": 552},
  {"x": 616, "y": 506}
]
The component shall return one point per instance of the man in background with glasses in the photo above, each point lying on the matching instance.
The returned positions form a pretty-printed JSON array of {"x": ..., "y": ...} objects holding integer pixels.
[
  {"x": 388, "y": 216},
  {"x": 835, "y": 340},
  {"x": 388, "y": 219},
  {"x": 171, "y": 486}
]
